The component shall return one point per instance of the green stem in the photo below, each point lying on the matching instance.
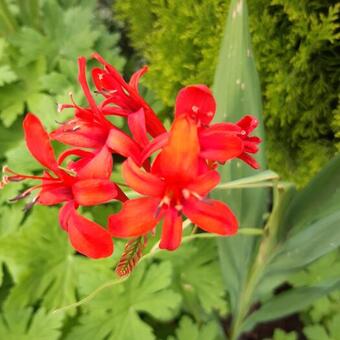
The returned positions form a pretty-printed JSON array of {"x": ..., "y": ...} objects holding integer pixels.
[
  {"x": 264, "y": 178},
  {"x": 244, "y": 186},
  {"x": 92, "y": 295},
  {"x": 245, "y": 301},
  {"x": 265, "y": 249}
]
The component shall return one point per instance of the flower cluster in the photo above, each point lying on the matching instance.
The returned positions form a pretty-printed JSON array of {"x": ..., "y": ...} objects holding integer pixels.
[{"x": 173, "y": 171}]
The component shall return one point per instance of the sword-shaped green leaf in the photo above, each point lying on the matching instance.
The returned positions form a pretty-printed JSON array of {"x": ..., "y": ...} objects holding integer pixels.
[{"x": 237, "y": 91}]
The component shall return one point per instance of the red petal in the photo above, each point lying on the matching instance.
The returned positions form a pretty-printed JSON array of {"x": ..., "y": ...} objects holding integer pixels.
[
  {"x": 84, "y": 85},
  {"x": 197, "y": 102},
  {"x": 65, "y": 213},
  {"x": 94, "y": 191},
  {"x": 156, "y": 167},
  {"x": 254, "y": 139},
  {"x": 230, "y": 127},
  {"x": 219, "y": 146},
  {"x": 81, "y": 133},
  {"x": 113, "y": 72},
  {"x": 74, "y": 152},
  {"x": 102, "y": 80},
  {"x": 153, "y": 124},
  {"x": 204, "y": 183},
  {"x": 136, "y": 218},
  {"x": 202, "y": 166},
  {"x": 89, "y": 238},
  {"x": 211, "y": 215},
  {"x": 250, "y": 146},
  {"x": 248, "y": 123},
  {"x": 143, "y": 182},
  {"x": 124, "y": 145},
  {"x": 179, "y": 158},
  {"x": 38, "y": 143},
  {"x": 249, "y": 160},
  {"x": 121, "y": 195},
  {"x": 136, "y": 122},
  {"x": 52, "y": 194},
  {"x": 116, "y": 111},
  {"x": 171, "y": 230},
  {"x": 134, "y": 80},
  {"x": 100, "y": 166},
  {"x": 156, "y": 144}
]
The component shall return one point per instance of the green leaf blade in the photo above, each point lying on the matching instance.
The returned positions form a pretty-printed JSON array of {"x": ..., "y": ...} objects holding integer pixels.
[{"x": 237, "y": 91}]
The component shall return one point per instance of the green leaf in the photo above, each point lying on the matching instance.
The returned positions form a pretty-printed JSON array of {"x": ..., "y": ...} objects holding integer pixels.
[
  {"x": 259, "y": 179},
  {"x": 318, "y": 271},
  {"x": 287, "y": 303},
  {"x": 10, "y": 114},
  {"x": 82, "y": 35},
  {"x": 334, "y": 327},
  {"x": 315, "y": 210},
  {"x": 309, "y": 244},
  {"x": 279, "y": 334},
  {"x": 317, "y": 312},
  {"x": 9, "y": 191},
  {"x": 319, "y": 199},
  {"x": 189, "y": 330},
  {"x": 59, "y": 24},
  {"x": 9, "y": 220},
  {"x": 115, "y": 313},
  {"x": 30, "y": 12},
  {"x": 31, "y": 44},
  {"x": 328, "y": 331},
  {"x": 198, "y": 277},
  {"x": 316, "y": 332},
  {"x": 7, "y": 75},
  {"x": 42, "y": 262},
  {"x": 56, "y": 83},
  {"x": 237, "y": 91},
  {"x": 45, "y": 107},
  {"x": 321, "y": 308},
  {"x": 10, "y": 138},
  {"x": 9, "y": 223},
  {"x": 14, "y": 97},
  {"x": 22, "y": 324},
  {"x": 3, "y": 48},
  {"x": 19, "y": 159}
]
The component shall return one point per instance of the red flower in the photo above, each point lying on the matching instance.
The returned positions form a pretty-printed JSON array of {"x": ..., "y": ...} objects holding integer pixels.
[
  {"x": 90, "y": 128},
  {"x": 216, "y": 144},
  {"x": 222, "y": 141},
  {"x": 90, "y": 185},
  {"x": 245, "y": 126},
  {"x": 123, "y": 98},
  {"x": 176, "y": 184},
  {"x": 175, "y": 187}
]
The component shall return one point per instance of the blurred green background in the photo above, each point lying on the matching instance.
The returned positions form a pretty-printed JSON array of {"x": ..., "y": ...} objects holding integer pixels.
[{"x": 183, "y": 295}]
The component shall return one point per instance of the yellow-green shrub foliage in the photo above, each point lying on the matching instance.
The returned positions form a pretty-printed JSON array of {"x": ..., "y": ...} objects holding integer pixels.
[
  {"x": 179, "y": 39},
  {"x": 295, "y": 44}
]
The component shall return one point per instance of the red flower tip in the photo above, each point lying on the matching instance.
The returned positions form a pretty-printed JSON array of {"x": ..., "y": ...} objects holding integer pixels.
[
  {"x": 248, "y": 123},
  {"x": 85, "y": 86},
  {"x": 38, "y": 143},
  {"x": 196, "y": 101}
]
